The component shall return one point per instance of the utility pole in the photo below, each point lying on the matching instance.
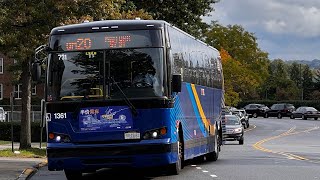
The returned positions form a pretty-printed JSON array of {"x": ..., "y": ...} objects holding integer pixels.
[{"x": 11, "y": 118}]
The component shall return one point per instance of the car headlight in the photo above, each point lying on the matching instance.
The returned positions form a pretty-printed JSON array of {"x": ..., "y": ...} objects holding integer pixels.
[{"x": 237, "y": 130}]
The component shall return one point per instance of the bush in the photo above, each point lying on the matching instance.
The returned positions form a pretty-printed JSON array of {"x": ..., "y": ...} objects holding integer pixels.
[{"x": 5, "y": 132}]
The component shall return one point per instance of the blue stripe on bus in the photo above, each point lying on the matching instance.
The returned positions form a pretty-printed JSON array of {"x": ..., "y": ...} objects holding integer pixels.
[
  {"x": 181, "y": 117},
  {"x": 195, "y": 108}
]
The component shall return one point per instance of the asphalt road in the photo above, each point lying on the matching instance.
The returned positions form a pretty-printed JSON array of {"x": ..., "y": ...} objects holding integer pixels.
[
  {"x": 274, "y": 149},
  {"x": 11, "y": 168}
]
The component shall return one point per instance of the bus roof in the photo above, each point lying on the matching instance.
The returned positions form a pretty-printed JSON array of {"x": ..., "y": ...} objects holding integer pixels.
[{"x": 108, "y": 25}]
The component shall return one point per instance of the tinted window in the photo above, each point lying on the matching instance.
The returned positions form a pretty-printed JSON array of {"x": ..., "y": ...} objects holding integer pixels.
[{"x": 196, "y": 62}]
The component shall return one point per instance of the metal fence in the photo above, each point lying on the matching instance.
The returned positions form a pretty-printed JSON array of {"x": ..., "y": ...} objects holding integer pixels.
[{"x": 35, "y": 114}]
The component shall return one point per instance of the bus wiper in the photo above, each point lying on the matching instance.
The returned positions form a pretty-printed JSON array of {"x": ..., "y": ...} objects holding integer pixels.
[{"x": 132, "y": 108}]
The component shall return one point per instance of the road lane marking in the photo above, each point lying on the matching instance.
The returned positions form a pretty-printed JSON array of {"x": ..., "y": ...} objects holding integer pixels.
[
  {"x": 258, "y": 145},
  {"x": 204, "y": 171}
]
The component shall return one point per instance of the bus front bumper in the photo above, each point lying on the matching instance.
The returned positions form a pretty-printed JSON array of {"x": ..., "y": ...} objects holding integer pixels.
[{"x": 145, "y": 153}]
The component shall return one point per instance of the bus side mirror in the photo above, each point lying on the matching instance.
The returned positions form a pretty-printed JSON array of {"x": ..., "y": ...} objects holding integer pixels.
[
  {"x": 176, "y": 83},
  {"x": 36, "y": 72}
]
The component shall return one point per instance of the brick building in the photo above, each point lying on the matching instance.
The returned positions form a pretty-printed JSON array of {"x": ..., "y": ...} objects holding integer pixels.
[{"x": 7, "y": 86}]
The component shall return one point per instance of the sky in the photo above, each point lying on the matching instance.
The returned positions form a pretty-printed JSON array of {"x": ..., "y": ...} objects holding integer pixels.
[{"x": 286, "y": 29}]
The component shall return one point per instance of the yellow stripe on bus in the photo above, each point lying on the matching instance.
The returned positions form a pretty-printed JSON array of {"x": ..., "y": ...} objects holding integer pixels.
[{"x": 203, "y": 116}]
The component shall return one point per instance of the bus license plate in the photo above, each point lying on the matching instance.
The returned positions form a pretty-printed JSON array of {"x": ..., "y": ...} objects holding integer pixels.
[{"x": 132, "y": 135}]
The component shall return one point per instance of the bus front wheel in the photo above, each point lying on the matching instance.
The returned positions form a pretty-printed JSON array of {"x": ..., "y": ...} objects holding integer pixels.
[{"x": 175, "y": 168}]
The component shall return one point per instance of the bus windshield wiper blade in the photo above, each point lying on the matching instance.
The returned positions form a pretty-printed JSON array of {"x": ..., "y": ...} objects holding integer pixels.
[{"x": 133, "y": 109}]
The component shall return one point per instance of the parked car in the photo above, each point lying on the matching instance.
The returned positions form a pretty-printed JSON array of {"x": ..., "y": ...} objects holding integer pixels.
[
  {"x": 305, "y": 113},
  {"x": 280, "y": 110},
  {"x": 255, "y": 110},
  {"x": 2, "y": 115},
  {"x": 244, "y": 118},
  {"x": 234, "y": 129}
]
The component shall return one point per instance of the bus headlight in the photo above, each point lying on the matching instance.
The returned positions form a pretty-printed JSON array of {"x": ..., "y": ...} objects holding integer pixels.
[
  {"x": 59, "y": 138},
  {"x": 155, "y": 133}
]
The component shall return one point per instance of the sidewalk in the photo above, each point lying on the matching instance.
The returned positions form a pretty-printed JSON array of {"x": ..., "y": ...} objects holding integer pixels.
[
  {"x": 12, "y": 168},
  {"x": 16, "y": 145}
]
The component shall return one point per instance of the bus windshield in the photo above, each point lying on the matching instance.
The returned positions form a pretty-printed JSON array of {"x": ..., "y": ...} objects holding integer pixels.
[{"x": 94, "y": 74}]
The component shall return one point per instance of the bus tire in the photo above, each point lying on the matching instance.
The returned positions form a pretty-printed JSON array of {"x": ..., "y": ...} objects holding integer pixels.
[
  {"x": 175, "y": 168},
  {"x": 214, "y": 155},
  {"x": 73, "y": 174}
]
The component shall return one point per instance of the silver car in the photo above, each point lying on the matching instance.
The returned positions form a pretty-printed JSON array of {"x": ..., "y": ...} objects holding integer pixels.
[{"x": 234, "y": 129}]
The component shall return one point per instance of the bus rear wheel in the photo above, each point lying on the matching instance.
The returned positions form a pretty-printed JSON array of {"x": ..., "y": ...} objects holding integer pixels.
[
  {"x": 214, "y": 155},
  {"x": 73, "y": 174}
]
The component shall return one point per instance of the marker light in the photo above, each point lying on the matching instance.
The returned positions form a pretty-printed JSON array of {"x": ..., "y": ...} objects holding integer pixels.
[
  {"x": 51, "y": 136},
  {"x": 163, "y": 131}
]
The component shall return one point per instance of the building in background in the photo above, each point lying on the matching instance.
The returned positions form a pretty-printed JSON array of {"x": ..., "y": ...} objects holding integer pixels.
[{"x": 7, "y": 84}]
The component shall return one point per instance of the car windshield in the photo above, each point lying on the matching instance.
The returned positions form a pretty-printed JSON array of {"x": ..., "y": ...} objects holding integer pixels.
[{"x": 231, "y": 120}]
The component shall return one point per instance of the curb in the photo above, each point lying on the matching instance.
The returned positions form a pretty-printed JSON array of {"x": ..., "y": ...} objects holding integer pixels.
[{"x": 29, "y": 172}]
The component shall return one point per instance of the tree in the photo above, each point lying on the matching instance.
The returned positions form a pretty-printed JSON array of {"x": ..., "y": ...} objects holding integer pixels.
[
  {"x": 307, "y": 82},
  {"x": 242, "y": 46},
  {"x": 185, "y": 14},
  {"x": 249, "y": 61},
  {"x": 231, "y": 96},
  {"x": 295, "y": 73},
  {"x": 279, "y": 85},
  {"x": 317, "y": 79},
  {"x": 24, "y": 25},
  {"x": 239, "y": 81}
]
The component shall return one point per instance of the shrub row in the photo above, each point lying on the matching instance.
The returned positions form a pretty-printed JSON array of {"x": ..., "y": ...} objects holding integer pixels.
[
  {"x": 5, "y": 132},
  {"x": 296, "y": 103}
]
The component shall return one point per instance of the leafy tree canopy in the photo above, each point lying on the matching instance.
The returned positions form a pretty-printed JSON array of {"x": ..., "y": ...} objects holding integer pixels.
[
  {"x": 185, "y": 14},
  {"x": 242, "y": 46},
  {"x": 24, "y": 25}
]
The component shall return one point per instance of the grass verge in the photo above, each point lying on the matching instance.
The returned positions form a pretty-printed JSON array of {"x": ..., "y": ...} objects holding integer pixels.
[
  {"x": 4, "y": 142},
  {"x": 28, "y": 153}
]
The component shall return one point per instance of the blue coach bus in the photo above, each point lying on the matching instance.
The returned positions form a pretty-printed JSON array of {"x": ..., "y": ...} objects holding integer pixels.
[{"x": 135, "y": 93}]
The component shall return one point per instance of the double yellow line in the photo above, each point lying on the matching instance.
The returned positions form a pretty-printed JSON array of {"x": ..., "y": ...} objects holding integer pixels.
[{"x": 258, "y": 145}]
